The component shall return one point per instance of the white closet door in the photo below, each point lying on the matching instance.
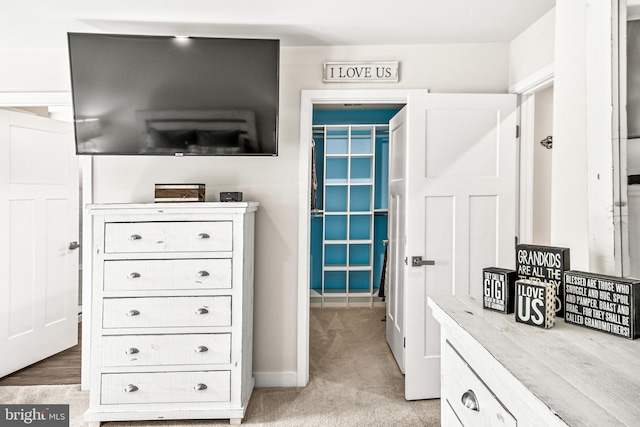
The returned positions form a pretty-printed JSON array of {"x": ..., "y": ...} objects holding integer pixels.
[
  {"x": 452, "y": 213},
  {"x": 39, "y": 214}
]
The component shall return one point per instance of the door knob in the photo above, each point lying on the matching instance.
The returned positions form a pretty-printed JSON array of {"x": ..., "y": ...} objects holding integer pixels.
[
  {"x": 73, "y": 245},
  {"x": 417, "y": 261}
]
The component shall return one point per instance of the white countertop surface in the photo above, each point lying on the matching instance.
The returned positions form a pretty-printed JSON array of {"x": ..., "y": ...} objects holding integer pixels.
[{"x": 585, "y": 377}]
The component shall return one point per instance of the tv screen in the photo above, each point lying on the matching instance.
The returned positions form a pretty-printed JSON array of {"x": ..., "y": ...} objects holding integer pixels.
[{"x": 165, "y": 95}]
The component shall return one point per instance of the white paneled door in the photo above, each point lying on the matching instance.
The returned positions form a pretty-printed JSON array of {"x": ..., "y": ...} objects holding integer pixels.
[
  {"x": 395, "y": 260},
  {"x": 39, "y": 214},
  {"x": 459, "y": 215}
]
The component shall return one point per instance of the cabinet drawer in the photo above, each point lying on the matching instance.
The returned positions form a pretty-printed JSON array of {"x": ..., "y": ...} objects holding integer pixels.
[
  {"x": 150, "y": 237},
  {"x": 157, "y": 312},
  {"x": 147, "y": 350},
  {"x": 133, "y": 275},
  {"x": 166, "y": 387},
  {"x": 458, "y": 379}
]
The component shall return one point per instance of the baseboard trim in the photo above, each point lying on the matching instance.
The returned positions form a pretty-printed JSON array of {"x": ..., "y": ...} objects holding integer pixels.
[{"x": 276, "y": 379}]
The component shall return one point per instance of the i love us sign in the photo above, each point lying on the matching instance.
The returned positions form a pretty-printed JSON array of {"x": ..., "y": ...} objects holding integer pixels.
[{"x": 360, "y": 72}]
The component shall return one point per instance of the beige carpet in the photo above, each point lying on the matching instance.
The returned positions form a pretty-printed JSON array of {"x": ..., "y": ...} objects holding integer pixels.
[{"x": 354, "y": 381}]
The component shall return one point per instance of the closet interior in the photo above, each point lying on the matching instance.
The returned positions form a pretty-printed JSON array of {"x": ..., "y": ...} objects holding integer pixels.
[{"x": 349, "y": 207}]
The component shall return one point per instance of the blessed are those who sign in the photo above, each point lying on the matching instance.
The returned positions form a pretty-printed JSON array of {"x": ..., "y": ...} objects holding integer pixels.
[
  {"x": 335, "y": 72},
  {"x": 604, "y": 303}
]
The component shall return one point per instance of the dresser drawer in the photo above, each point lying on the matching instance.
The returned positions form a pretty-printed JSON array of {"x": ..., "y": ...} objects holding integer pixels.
[
  {"x": 154, "y": 312},
  {"x": 458, "y": 378},
  {"x": 166, "y": 387},
  {"x": 184, "y": 349},
  {"x": 132, "y": 275},
  {"x": 151, "y": 237}
]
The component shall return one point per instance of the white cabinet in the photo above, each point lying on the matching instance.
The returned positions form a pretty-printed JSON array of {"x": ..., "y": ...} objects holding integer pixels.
[
  {"x": 497, "y": 372},
  {"x": 172, "y": 311}
]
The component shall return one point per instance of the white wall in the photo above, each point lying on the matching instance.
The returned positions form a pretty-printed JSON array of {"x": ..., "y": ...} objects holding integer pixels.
[
  {"x": 533, "y": 49},
  {"x": 542, "y": 167},
  {"x": 583, "y": 198},
  {"x": 34, "y": 70},
  {"x": 273, "y": 181}
]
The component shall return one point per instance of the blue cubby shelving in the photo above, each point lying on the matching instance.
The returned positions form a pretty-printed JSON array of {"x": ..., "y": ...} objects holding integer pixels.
[{"x": 349, "y": 224}]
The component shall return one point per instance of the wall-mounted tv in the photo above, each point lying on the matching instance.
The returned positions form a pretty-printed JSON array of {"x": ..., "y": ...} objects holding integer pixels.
[{"x": 178, "y": 96}]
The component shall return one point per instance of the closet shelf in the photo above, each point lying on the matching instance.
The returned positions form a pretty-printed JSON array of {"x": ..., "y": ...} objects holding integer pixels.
[{"x": 352, "y": 181}]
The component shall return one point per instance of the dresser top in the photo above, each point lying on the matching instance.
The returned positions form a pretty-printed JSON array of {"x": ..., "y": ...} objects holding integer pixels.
[
  {"x": 173, "y": 207},
  {"x": 585, "y": 377}
]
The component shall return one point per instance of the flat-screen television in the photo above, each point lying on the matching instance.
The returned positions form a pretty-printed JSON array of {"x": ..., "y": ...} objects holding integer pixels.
[{"x": 177, "y": 96}]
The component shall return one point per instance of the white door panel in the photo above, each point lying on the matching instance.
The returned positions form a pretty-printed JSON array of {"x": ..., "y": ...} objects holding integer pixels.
[
  {"x": 38, "y": 219},
  {"x": 397, "y": 200},
  {"x": 460, "y": 212}
]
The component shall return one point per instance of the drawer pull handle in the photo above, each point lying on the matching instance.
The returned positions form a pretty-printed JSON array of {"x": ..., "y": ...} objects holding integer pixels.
[
  {"x": 200, "y": 386},
  {"x": 130, "y": 388},
  {"x": 133, "y": 275},
  {"x": 203, "y": 236},
  {"x": 133, "y": 313},
  {"x": 202, "y": 311},
  {"x": 135, "y": 237},
  {"x": 201, "y": 349},
  {"x": 132, "y": 350},
  {"x": 202, "y": 273},
  {"x": 470, "y": 401}
]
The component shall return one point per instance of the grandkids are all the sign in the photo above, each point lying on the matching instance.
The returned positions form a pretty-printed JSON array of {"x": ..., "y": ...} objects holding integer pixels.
[{"x": 545, "y": 264}]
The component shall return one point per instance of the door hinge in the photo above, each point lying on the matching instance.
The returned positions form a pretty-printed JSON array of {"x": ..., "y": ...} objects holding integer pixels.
[
  {"x": 404, "y": 343},
  {"x": 517, "y": 131}
]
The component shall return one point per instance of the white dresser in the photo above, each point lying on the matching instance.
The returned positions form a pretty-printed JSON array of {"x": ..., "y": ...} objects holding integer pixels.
[
  {"x": 496, "y": 372},
  {"x": 172, "y": 311}
]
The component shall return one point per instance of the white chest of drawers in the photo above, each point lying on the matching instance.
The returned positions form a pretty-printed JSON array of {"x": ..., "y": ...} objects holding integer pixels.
[
  {"x": 171, "y": 311},
  {"x": 497, "y": 372}
]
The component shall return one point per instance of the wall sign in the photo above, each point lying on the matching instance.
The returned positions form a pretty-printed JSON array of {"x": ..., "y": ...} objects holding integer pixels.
[
  {"x": 348, "y": 72},
  {"x": 604, "y": 303},
  {"x": 535, "y": 303},
  {"x": 498, "y": 289},
  {"x": 544, "y": 263}
]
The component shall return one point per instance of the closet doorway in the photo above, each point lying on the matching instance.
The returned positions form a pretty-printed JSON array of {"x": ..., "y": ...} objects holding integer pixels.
[
  {"x": 313, "y": 100},
  {"x": 349, "y": 206}
]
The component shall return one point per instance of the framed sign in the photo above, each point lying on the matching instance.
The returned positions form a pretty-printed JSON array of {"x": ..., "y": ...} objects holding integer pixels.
[
  {"x": 498, "y": 289},
  {"x": 347, "y": 72},
  {"x": 604, "y": 303},
  {"x": 535, "y": 303},
  {"x": 544, "y": 263}
]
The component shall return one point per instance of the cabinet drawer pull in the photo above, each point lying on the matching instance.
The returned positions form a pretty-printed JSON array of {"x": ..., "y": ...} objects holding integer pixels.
[
  {"x": 135, "y": 237},
  {"x": 130, "y": 388},
  {"x": 201, "y": 349},
  {"x": 200, "y": 386},
  {"x": 203, "y": 236},
  {"x": 202, "y": 273},
  {"x": 132, "y": 350},
  {"x": 133, "y": 313},
  {"x": 470, "y": 401},
  {"x": 133, "y": 275},
  {"x": 202, "y": 311}
]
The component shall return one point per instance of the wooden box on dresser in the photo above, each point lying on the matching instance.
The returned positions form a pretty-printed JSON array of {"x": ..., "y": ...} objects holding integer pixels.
[
  {"x": 498, "y": 372},
  {"x": 172, "y": 311}
]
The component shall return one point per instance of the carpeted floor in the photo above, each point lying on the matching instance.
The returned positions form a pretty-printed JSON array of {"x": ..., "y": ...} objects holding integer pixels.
[{"x": 354, "y": 381}]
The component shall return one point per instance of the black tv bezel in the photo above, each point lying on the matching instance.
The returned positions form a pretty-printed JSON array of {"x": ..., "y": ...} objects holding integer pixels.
[{"x": 273, "y": 153}]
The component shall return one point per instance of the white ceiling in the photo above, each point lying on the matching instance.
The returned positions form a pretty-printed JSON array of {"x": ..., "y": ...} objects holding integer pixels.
[{"x": 44, "y": 23}]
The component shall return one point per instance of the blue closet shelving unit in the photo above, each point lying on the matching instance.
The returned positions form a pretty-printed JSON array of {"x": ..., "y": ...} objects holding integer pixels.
[{"x": 349, "y": 222}]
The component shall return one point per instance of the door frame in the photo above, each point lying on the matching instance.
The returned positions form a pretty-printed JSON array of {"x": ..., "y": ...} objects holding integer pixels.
[
  {"x": 526, "y": 91},
  {"x": 309, "y": 98}
]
